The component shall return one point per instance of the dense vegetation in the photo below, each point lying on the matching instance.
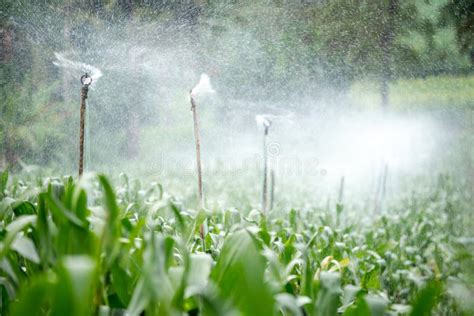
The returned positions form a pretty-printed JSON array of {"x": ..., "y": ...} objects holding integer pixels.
[
  {"x": 105, "y": 245},
  {"x": 136, "y": 248}
]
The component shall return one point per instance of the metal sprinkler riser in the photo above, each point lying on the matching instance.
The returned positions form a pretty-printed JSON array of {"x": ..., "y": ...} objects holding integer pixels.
[{"x": 86, "y": 81}]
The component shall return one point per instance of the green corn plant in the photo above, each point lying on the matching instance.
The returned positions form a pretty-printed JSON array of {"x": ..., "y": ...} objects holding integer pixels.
[{"x": 92, "y": 248}]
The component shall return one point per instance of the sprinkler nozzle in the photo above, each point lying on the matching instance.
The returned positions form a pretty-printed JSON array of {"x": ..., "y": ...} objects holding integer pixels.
[
  {"x": 267, "y": 123},
  {"x": 86, "y": 80},
  {"x": 263, "y": 121},
  {"x": 191, "y": 98}
]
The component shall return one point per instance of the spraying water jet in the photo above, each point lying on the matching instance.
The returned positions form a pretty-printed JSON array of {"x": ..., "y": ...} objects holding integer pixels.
[{"x": 91, "y": 75}]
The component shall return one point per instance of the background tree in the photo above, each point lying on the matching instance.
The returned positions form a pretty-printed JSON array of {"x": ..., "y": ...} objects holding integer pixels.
[
  {"x": 360, "y": 38},
  {"x": 460, "y": 13}
]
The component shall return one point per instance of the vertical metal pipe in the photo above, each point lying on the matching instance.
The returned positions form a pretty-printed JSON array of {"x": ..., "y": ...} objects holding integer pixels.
[
  {"x": 381, "y": 188},
  {"x": 198, "y": 152},
  {"x": 341, "y": 191},
  {"x": 272, "y": 188},
  {"x": 84, "y": 91},
  {"x": 265, "y": 163},
  {"x": 198, "y": 165},
  {"x": 384, "y": 181}
]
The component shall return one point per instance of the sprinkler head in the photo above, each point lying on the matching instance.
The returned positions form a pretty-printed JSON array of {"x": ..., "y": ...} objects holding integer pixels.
[
  {"x": 86, "y": 80},
  {"x": 267, "y": 123},
  {"x": 191, "y": 98},
  {"x": 264, "y": 122},
  {"x": 204, "y": 87}
]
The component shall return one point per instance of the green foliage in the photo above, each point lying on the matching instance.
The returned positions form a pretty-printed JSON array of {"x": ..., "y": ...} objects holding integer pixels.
[
  {"x": 3, "y": 183},
  {"x": 426, "y": 299},
  {"x": 460, "y": 13},
  {"x": 66, "y": 251},
  {"x": 240, "y": 269}
]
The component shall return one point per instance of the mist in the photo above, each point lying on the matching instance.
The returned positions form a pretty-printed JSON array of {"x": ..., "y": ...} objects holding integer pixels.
[{"x": 138, "y": 111}]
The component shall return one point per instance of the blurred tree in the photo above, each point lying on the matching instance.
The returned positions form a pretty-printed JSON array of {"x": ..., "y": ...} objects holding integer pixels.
[
  {"x": 460, "y": 13},
  {"x": 360, "y": 38}
]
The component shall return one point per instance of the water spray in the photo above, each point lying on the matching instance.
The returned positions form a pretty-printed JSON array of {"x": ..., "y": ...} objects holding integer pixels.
[
  {"x": 266, "y": 123},
  {"x": 91, "y": 74},
  {"x": 86, "y": 81}
]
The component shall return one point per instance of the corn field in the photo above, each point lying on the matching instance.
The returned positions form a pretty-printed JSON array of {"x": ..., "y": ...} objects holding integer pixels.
[{"x": 134, "y": 249}]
